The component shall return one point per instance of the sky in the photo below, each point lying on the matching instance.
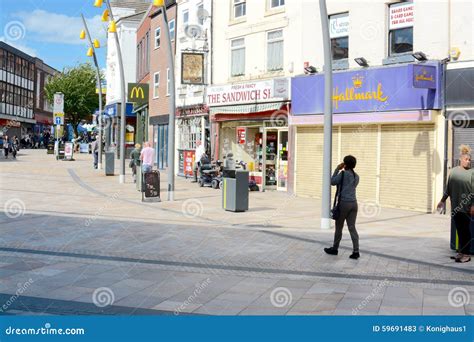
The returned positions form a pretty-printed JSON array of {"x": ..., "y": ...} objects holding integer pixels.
[{"x": 49, "y": 29}]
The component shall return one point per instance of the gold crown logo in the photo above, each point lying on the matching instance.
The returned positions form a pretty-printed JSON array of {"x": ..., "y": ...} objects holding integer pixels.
[{"x": 357, "y": 81}]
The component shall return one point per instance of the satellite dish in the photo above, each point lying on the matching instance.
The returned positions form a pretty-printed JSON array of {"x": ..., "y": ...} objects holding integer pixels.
[
  {"x": 193, "y": 31},
  {"x": 202, "y": 14}
]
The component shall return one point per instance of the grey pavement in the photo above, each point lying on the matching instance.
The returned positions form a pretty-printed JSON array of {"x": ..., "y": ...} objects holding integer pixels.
[{"x": 73, "y": 241}]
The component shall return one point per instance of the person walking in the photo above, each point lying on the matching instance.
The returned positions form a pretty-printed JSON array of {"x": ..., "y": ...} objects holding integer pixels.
[
  {"x": 95, "y": 152},
  {"x": 14, "y": 146},
  {"x": 345, "y": 177},
  {"x": 146, "y": 157},
  {"x": 460, "y": 190},
  {"x": 200, "y": 151},
  {"x": 135, "y": 161},
  {"x": 6, "y": 146}
]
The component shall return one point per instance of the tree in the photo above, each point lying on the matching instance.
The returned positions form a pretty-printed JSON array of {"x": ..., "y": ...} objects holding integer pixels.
[{"x": 78, "y": 85}]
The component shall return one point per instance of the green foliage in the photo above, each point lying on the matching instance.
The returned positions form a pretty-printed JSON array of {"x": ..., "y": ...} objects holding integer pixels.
[{"x": 78, "y": 85}]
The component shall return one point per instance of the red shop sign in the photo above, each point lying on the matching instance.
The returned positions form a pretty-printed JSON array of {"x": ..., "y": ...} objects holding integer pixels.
[{"x": 241, "y": 135}]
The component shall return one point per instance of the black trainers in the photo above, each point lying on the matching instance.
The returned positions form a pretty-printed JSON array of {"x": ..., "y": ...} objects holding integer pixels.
[
  {"x": 355, "y": 255},
  {"x": 331, "y": 251}
]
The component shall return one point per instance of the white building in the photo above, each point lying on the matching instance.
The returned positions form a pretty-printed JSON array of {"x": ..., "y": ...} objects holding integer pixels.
[{"x": 193, "y": 74}]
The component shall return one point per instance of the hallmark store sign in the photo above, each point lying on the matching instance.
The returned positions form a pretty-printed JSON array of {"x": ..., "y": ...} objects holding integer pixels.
[{"x": 251, "y": 92}]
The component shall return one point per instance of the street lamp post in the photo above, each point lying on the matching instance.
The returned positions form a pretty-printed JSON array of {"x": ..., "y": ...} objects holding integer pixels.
[
  {"x": 113, "y": 29},
  {"x": 93, "y": 46},
  {"x": 326, "y": 195},
  {"x": 172, "y": 102}
]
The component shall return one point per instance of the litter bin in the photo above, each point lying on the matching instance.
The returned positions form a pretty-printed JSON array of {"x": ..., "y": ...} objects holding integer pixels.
[
  {"x": 235, "y": 191},
  {"x": 109, "y": 163}
]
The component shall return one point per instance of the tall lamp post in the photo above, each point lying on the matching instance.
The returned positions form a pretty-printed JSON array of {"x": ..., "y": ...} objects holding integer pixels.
[
  {"x": 172, "y": 102},
  {"x": 91, "y": 53},
  {"x": 108, "y": 16},
  {"x": 326, "y": 195}
]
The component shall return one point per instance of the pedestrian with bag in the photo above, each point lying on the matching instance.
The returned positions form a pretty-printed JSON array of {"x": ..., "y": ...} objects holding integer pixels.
[
  {"x": 345, "y": 204},
  {"x": 135, "y": 161},
  {"x": 95, "y": 152},
  {"x": 460, "y": 190}
]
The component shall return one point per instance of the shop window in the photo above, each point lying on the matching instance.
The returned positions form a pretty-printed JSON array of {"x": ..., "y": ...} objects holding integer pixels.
[
  {"x": 156, "y": 85},
  {"x": 240, "y": 8},
  {"x": 339, "y": 34},
  {"x": 277, "y": 3},
  {"x": 157, "y": 38},
  {"x": 172, "y": 27},
  {"x": 400, "y": 36},
  {"x": 275, "y": 50},
  {"x": 238, "y": 57}
]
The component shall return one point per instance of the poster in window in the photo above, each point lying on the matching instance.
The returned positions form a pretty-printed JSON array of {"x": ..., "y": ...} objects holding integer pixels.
[
  {"x": 241, "y": 135},
  {"x": 192, "y": 68}
]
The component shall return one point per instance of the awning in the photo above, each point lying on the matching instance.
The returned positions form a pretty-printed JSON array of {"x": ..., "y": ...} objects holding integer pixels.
[
  {"x": 246, "y": 109},
  {"x": 17, "y": 118}
]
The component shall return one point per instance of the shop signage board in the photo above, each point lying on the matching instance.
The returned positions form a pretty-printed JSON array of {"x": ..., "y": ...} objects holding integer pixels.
[
  {"x": 151, "y": 181},
  {"x": 241, "y": 135},
  {"x": 138, "y": 93},
  {"x": 58, "y": 109},
  {"x": 68, "y": 151},
  {"x": 339, "y": 25},
  {"x": 401, "y": 15},
  {"x": 371, "y": 90},
  {"x": 192, "y": 68},
  {"x": 250, "y": 92},
  {"x": 188, "y": 163}
]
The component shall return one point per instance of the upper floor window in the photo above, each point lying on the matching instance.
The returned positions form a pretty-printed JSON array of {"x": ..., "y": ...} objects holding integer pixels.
[
  {"x": 156, "y": 85},
  {"x": 168, "y": 82},
  {"x": 339, "y": 34},
  {"x": 275, "y": 50},
  {"x": 172, "y": 25},
  {"x": 237, "y": 47},
  {"x": 277, "y": 3},
  {"x": 157, "y": 38},
  {"x": 400, "y": 35},
  {"x": 185, "y": 18},
  {"x": 200, "y": 14},
  {"x": 240, "y": 8}
]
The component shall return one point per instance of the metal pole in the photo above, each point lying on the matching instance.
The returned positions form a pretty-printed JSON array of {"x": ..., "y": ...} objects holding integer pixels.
[
  {"x": 172, "y": 109},
  {"x": 124, "y": 100},
  {"x": 326, "y": 195},
  {"x": 99, "y": 84}
]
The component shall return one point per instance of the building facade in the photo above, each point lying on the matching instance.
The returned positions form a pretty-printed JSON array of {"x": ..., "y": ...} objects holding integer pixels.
[
  {"x": 193, "y": 75},
  {"x": 160, "y": 80},
  {"x": 43, "y": 109}
]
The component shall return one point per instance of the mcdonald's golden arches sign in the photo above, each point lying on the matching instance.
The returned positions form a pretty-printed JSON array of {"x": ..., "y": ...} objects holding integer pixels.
[{"x": 138, "y": 93}]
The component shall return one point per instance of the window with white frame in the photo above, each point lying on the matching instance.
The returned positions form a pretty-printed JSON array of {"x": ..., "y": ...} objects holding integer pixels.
[
  {"x": 156, "y": 85},
  {"x": 240, "y": 8},
  {"x": 157, "y": 38},
  {"x": 168, "y": 82},
  {"x": 339, "y": 34},
  {"x": 400, "y": 36},
  {"x": 172, "y": 26},
  {"x": 185, "y": 18},
  {"x": 237, "y": 47},
  {"x": 275, "y": 50},
  {"x": 200, "y": 14},
  {"x": 277, "y": 3}
]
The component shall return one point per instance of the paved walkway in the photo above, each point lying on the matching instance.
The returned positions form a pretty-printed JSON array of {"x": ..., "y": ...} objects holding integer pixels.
[{"x": 73, "y": 241}]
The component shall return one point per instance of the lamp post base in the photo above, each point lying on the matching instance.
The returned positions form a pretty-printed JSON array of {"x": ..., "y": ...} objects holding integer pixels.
[
  {"x": 122, "y": 179},
  {"x": 99, "y": 166},
  {"x": 325, "y": 223}
]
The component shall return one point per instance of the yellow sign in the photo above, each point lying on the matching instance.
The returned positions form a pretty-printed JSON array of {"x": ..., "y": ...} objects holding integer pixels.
[{"x": 351, "y": 94}]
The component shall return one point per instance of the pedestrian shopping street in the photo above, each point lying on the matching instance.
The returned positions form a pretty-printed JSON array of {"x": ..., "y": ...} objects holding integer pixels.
[{"x": 73, "y": 241}]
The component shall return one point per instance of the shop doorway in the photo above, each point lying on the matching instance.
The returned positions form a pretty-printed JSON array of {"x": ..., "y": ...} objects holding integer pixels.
[{"x": 275, "y": 170}]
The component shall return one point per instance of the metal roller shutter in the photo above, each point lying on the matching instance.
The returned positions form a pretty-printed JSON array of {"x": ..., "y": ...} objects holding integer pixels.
[
  {"x": 406, "y": 170},
  {"x": 462, "y": 135},
  {"x": 309, "y": 160},
  {"x": 361, "y": 142}
]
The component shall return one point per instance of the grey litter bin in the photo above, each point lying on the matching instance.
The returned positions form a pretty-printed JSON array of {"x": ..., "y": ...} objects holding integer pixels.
[
  {"x": 235, "y": 191},
  {"x": 109, "y": 163}
]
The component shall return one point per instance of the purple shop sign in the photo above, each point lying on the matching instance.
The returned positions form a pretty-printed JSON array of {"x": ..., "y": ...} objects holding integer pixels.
[{"x": 370, "y": 90}]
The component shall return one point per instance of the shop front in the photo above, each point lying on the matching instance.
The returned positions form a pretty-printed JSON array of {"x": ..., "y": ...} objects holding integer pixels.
[
  {"x": 112, "y": 127},
  {"x": 43, "y": 122},
  {"x": 160, "y": 124},
  {"x": 389, "y": 118},
  {"x": 460, "y": 107},
  {"x": 193, "y": 126},
  {"x": 250, "y": 120}
]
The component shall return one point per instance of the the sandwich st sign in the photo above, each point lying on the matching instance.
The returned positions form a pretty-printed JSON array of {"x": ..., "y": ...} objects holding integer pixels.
[
  {"x": 138, "y": 93},
  {"x": 58, "y": 109}
]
